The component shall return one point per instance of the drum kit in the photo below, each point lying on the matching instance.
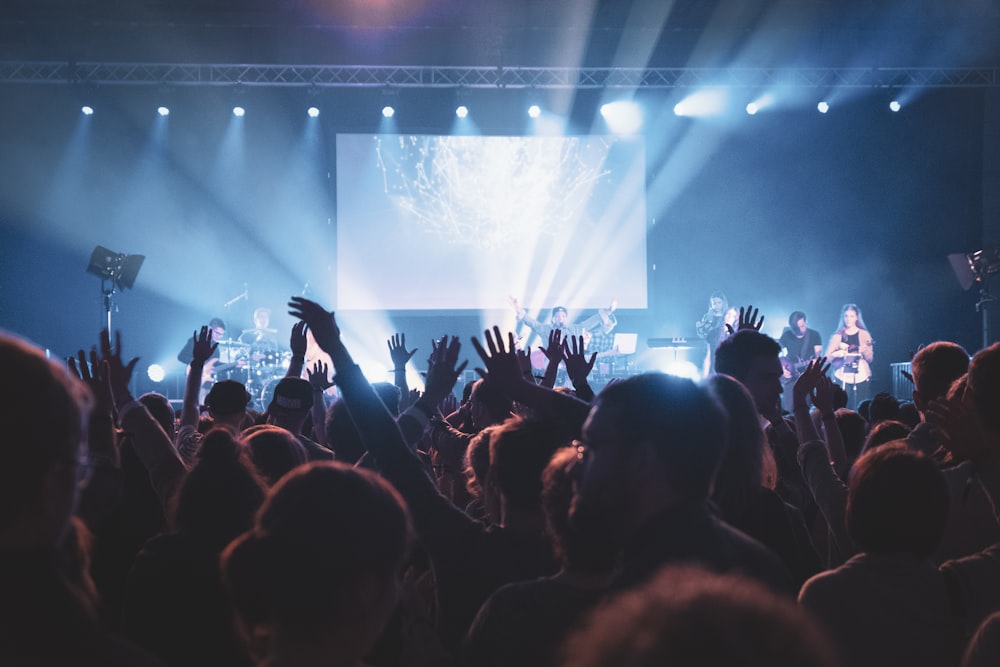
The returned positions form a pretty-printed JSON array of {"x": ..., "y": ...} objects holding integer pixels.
[{"x": 258, "y": 366}]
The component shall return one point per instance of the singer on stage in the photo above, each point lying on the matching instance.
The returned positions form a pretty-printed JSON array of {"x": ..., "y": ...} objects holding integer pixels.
[{"x": 711, "y": 327}]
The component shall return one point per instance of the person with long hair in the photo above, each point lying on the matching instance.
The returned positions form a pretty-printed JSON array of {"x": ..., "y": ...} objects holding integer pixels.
[{"x": 851, "y": 350}]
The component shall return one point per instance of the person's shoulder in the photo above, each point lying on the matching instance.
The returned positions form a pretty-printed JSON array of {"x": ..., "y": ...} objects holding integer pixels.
[{"x": 819, "y": 586}]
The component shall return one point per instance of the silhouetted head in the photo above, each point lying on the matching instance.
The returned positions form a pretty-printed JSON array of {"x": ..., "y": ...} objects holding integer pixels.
[
  {"x": 44, "y": 412},
  {"x": 752, "y": 358},
  {"x": 934, "y": 368},
  {"x": 219, "y": 496},
  {"x": 689, "y": 617},
  {"x": 749, "y": 463},
  {"x": 519, "y": 451},
  {"x": 984, "y": 385},
  {"x": 275, "y": 451},
  {"x": 897, "y": 502},
  {"x": 651, "y": 439},
  {"x": 324, "y": 557}
]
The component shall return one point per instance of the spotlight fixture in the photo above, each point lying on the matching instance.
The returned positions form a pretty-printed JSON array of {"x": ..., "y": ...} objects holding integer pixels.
[
  {"x": 462, "y": 111},
  {"x": 156, "y": 373},
  {"x": 752, "y": 108},
  {"x": 313, "y": 112},
  {"x": 534, "y": 111},
  {"x": 388, "y": 111},
  {"x": 823, "y": 107},
  {"x": 119, "y": 268},
  {"x": 163, "y": 111},
  {"x": 894, "y": 106},
  {"x": 239, "y": 111},
  {"x": 87, "y": 111},
  {"x": 622, "y": 117}
]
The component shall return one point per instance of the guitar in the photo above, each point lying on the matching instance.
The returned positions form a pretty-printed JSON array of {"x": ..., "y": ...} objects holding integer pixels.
[{"x": 791, "y": 370}]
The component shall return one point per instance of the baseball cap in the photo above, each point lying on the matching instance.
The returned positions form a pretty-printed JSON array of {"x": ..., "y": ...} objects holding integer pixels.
[{"x": 227, "y": 397}]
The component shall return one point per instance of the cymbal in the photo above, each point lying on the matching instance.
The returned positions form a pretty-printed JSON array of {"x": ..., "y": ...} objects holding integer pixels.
[{"x": 232, "y": 342}]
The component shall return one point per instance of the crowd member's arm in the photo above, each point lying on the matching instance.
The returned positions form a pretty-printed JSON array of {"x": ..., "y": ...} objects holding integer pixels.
[
  {"x": 400, "y": 357},
  {"x": 822, "y": 398},
  {"x": 503, "y": 368},
  {"x": 297, "y": 342},
  {"x": 553, "y": 353},
  {"x": 578, "y": 367},
  {"x": 814, "y": 385},
  {"x": 152, "y": 444},
  {"x": 818, "y": 464},
  {"x": 319, "y": 378},
  {"x": 187, "y": 439},
  {"x": 379, "y": 431},
  {"x": 103, "y": 491},
  {"x": 202, "y": 350}
]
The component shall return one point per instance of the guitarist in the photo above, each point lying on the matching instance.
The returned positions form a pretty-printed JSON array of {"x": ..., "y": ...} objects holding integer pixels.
[
  {"x": 218, "y": 330},
  {"x": 799, "y": 345},
  {"x": 851, "y": 351}
]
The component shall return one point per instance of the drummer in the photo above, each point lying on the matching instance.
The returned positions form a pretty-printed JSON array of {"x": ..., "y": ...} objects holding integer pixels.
[{"x": 262, "y": 339}]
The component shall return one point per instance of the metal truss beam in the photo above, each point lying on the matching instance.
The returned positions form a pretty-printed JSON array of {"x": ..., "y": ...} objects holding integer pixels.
[{"x": 339, "y": 76}]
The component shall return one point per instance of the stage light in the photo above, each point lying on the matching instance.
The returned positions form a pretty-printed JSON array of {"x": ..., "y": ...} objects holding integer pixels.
[
  {"x": 752, "y": 108},
  {"x": 87, "y": 111},
  {"x": 622, "y": 117},
  {"x": 823, "y": 107},
  {"x": 704, "y": 103},
  {"x": 156, "y": 373},
  {"x": 534, "y": 111},
  {"x": 894, "y": 106},
  {"x": 163, "y": 111},
  {"x": 683, "y": 369},
  {"x": 388, "y": 111},
  {"x": 313, "y": 112},
  {"x": 462, "y": 111},
  {"x": 239, "y": 111}
]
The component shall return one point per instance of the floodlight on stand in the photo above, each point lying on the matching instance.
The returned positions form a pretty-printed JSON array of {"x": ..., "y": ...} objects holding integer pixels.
[
  {"x": 977, "y": 267},
  {"x": 117, "y": 268}
]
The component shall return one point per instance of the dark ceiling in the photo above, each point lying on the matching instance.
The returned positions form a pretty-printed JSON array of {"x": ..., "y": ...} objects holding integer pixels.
[{"x": 592, "y": 33}]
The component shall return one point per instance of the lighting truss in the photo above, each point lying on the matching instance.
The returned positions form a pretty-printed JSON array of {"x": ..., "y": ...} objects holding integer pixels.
[{"x": 372, "y": 76}]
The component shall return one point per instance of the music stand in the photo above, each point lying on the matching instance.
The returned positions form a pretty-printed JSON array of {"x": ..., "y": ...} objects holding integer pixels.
[{"x": 118, "y": 269}]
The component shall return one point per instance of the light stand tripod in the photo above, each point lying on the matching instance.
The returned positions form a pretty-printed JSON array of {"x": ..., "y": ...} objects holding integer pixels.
[{"x": 116, "y": 270}]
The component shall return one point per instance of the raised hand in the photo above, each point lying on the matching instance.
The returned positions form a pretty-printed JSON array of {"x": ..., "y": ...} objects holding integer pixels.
[
  {"x": 748, "y": 319},
  {"x": 319, "y": 376},
  {"x": 94, "y": 376},
  {"x": 524, "y": 360},
  {"x": 957, "y": 428},
  {"x": 297, "y": 340},
  {"x": 578, "y": 367},
  {"x": 442, "y": 372},
  {"x": 203, "y": 346},
  {"x": 119, "y": 373},
  {"x": 397, "y": 350},
  {"x": 320, "y": 321},
  {"x": 806, "y": 385},
  {"x": 554, "y": 352},
  {"x": 822, "y": 394},
  {"x": 502, "y": 364},
  {"x": 448, "y": 404}
]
